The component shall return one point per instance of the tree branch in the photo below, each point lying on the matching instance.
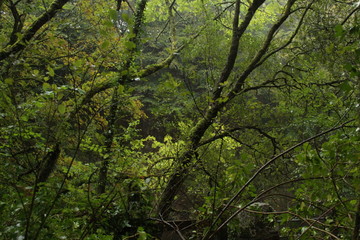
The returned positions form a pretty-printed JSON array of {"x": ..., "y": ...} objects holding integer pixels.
[
  {"x": 254, "y": 63},
  {"x": 197, "y": 132},
  {"x": 18, "y": 23},
  {"x": 290, "y": 39},
  {"x": 22, "y": 42},
  {"x": 238, "y": 32},
  {"x": 147, "y": 71},
  {"x": 228, "y": 134},
  {"x": 265, "y": 166},
  {"x": 351, "y": 13}
]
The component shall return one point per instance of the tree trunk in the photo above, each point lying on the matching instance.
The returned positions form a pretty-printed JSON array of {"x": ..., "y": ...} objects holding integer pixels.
[
  {"x": 48, "y": 164},
  {"x": 109, "y": 137}
]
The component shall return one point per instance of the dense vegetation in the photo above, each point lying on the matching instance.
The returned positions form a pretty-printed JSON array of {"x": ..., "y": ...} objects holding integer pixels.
[{"x": 148, "y": 119}]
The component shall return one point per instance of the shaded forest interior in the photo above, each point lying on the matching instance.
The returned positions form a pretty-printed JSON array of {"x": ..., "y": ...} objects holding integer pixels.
[{"x": 174, "y": 119}]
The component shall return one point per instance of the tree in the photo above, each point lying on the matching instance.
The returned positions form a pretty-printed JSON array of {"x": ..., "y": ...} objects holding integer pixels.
[{"x": 118, "y": 117}]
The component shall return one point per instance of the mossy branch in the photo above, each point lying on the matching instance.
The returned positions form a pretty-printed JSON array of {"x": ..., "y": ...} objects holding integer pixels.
[{"x": 29, "y": 33}]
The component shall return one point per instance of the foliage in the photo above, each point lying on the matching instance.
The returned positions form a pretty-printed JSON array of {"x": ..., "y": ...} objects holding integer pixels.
[{"x": 157, "y": 120}]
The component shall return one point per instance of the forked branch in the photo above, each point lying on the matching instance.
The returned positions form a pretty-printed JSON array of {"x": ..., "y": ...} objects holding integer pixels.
[{"x": 29, "y": 33}]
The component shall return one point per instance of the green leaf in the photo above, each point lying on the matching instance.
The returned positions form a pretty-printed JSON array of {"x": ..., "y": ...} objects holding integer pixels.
[
  {"x": 50, "y": 71},
  {"x": 348, "y": 67},
  {"x": 46, "y": 86},
  {"x": 78, "y": 63},
  {"x": 9, "y": 81},
  {"x": 35, "y": 72},
  {"x": 345, "y": 87},
  {"x": 103, "y": 32},
  {"x": 142, "y": 234},
  {"x": 126, "y": 18},
  {"x": 60, "y": 96},
  {"x": 62, "y": 108},
  {"x": 130, "y": 45},
  {"x": 108, "y": 23},
  {"x": 113, "y": 14},
  {"x": 302, "y": 206},
  {"x": 121, "y": 89},
  {"x": 223, "y": 99},
  {"x": 105, "y": 44},
  {"x": 339, "y": 31},
  {"x": 25, "y": 118}
]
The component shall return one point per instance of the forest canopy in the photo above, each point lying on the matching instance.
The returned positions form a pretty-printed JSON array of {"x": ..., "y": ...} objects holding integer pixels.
[{"x": 174, "y": 119}]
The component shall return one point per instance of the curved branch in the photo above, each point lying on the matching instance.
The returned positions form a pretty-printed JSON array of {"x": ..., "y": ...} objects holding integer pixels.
[
  {"x": 18, "y": 23},
  {"x": 238, "y": 32},
  {"x": 351, "y": 13},
  {"x": 147, "y": 71},
  {"x": 261, "y": 53},
  {"x": 266, "y": 165},
  {"x": 290, "y": 39},
  {"x": 22, "y": 42},
  {"x": 228, "y": 134}
]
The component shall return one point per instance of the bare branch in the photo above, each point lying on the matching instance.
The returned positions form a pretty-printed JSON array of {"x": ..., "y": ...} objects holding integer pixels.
[{"x": 173, "y": 226}]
